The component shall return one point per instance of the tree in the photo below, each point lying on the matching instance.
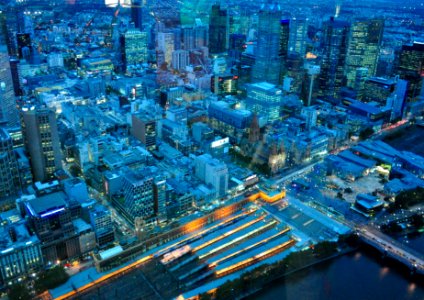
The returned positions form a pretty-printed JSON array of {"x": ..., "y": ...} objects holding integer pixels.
[
  {"x": 75, "y": 170},
  {"x": 205, "y": 296},
  {"x": 391, "y": 228},
  {"x": 348, "y": 190},
  {"x": 19, "y": 292},
  {"x": 366, "y": 133},
  {"x": 325, "y": 248},
  {"x": 408, "y": 198},
  {"x": 50, "y": 279},
  {"x": 417, "y": 220}
]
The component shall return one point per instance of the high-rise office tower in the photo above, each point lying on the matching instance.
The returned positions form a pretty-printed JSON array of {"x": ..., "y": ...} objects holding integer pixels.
[
  {"x": 364, "y": 47},
  {"x": 331, "y": 78},
  {"x": 144, "y": 129},
  {"x": 9, "y": 176},
  {"x": 42, "y": 142},
  {"x": 159, "y": 193},
  {"x": 284, "y": 38},
  {"x": 284, "y": 45},
  {"x": 294, "y": 71},
  {"x": 180, "y": 59},
  {"x": 200, "y": 36},
  {"x": 5, "y": 34},
  {"x": 298, "y": 35},
  {"x": 166, "y": 45},
  {"x": 137, "y": 13},
  {"x": 8, "y": 112},
  {"x": 237, "y": 46},
  {"x": 265, "y": 100},
  {"x": 50, "y": 217},
  {"x": 138, "y": 194},
  {"x": 14, "y": 69},
  {"x": 187, "y": 37},
  {"x": 9, "y": 28},
  {"x": 378, "y": 89},
  {"x": 224, "y": 84},
  {"x": 177, "y": 38},
  {"x": 101, "y": 221},
  {"x": 212, "y": 171},
  {"x": 360, "y": 78},
  {"x": 24, "y": 45},
  {"x": 268, "y": 62},
  {"x": 218, "y": 30},
  {"x": 411, "y": 68},
  {"x": 134, "y": 47}
]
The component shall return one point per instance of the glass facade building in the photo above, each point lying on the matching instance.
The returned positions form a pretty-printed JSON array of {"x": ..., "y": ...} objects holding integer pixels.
[
  {"x": 264, "y": 99},
  {"x": 335, "y": 39},
  {"x": 364, "y": 47},
  {"x": 218, "y": 30},
  {"x": 267, "y": 66},
  {"x": 134, "y": 47}
]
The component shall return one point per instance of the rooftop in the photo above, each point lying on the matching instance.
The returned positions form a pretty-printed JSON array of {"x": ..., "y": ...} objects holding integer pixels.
[
  {"x": 412, "y": 158},
  {"x": 23, "y": 237},
  {"x": 47, "y": 204},
  {"x": 382, "y": 80},
  {"x": 81, "y": 225},
  {"x": 110, "y": 252},
  {"x": 3, "y": 134},
  {"x": 226, "y": 107},
  {"x": 349, "y": 156}
]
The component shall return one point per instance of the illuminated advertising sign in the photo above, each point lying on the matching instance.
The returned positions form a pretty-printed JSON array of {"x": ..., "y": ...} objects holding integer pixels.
[{"x": 219, "y": 143}]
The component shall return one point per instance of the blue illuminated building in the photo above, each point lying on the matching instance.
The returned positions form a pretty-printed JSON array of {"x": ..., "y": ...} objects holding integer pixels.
[
  {"x": 50, "y": 216},
  {"x": 229, "y": 121}
]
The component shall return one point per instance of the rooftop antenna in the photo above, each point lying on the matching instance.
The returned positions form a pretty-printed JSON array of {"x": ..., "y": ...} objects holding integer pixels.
[{"x": 338, "y": 8}]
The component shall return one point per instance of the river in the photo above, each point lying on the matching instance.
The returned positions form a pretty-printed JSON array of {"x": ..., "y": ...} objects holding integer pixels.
[{"x": 358, "y": 276}]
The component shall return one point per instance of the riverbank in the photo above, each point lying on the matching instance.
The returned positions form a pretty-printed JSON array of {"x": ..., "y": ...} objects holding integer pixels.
[
  {"x": 362, "y": 274},
  {"x": 258, "y": 282},
  {"x": 340, "y": 253},
  {"x": 253, "y": 281}
]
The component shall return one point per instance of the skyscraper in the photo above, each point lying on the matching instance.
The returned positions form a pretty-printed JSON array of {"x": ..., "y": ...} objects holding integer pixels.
[
  {"x": 8, "y": 112},
  {"x": 331, "y": 78},
  {"x": 138, "y": 194},
  {"x": 42, "y": 142},
  {"x": 264, "y": 99},
  {"x": 159, "y": 192},
  {"x": 213, "y": 172},
  {"x": 360, "y": 78},
  {"x": 298, "y": 35},
  {"x": 218, "y": 30},
  {"x": 137, "y": 14},
  {"x": 188, "y": 38},
  {"x": 268, "y": 62},
  {"x": 9, "y": 177},
  {"x": 100, "y": 219},
  {"x": 24, "y": 45},
  {"x": 286, "y": 63},
  {"x": 284, "y": 38},
  {"x": 200, "y": 36},
  {"x": 364, "y": 47},
  {"x": 144, "y": 129},
  {"x": 411, "y": 68},
  {"x": 166, "y": 45},
  {"x": 180, "y": 59},
  {"x": 50, "y": 218},
  {"x": 134, "y": 47}
]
